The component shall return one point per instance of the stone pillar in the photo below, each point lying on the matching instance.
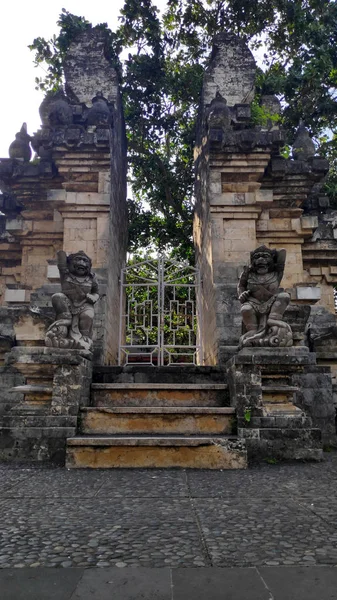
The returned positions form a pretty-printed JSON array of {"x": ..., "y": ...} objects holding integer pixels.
[{"x": 247, "y": 195}]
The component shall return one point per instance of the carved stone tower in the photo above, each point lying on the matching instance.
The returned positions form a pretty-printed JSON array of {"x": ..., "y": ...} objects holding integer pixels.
[
  {"x": 248, "y": 196},
  {"x": 70, "y": 198}
]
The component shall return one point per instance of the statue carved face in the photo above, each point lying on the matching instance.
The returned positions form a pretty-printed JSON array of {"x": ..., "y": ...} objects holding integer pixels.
[
  {"x": 262, "y": 261},
  {"x": 79, "y": 264}
]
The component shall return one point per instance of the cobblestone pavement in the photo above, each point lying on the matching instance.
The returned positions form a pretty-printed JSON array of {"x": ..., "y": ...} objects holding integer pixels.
[{"x": 269, "y": 515}]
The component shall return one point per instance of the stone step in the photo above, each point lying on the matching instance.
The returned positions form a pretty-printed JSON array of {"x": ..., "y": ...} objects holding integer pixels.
[
  {"x": 271, "y": 409},
  {"x": 280, "y": 421},
  {"x": 147, "y": 374},
  {"x": 159, "y": 394},
  {"x": 218, "y": 452},
  {"x": 161, "y": 420},
  {"x": 280, "y": 389}
]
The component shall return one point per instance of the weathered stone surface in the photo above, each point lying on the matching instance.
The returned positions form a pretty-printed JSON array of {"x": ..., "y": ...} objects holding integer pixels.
[
  {"x": 88, "y": 70},
  {"x": 32, "y": 425},
  {"x": 283, "y": 412},
  {"x": 149, "y": 394},
  {"x": 231, "y": 71},
  {"x": 157, "y": 420},
  {"x": 208, "y": 453},
  {"x": 248, "y": 195}
]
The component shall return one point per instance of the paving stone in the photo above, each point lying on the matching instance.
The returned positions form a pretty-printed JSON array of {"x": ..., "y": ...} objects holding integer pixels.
[
  {"x": 218, "y": 584},
  {"x": 38, "y": 584},
  {"x": 58, "y": 483},
  {"x": 105, "y": 584},
  {"x": 281, "y": 514},
  {"x": 301, "y": 583}
]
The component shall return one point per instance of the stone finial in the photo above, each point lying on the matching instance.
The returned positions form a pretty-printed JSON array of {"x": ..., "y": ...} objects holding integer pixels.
[
  {"x": 88, "y": 69},
  {"x": 218, "y": 114},
  {"x": 263, "y": 302},
  {"x": 231, "y": 71},
  {"x": 303, "y": 146},
  {"x": 20, "y": 148},
  {"x": 99, "y": 113}
]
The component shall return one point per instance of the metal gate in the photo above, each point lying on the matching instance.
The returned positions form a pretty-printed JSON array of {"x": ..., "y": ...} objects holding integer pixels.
[{"x": 159, "y": 321}]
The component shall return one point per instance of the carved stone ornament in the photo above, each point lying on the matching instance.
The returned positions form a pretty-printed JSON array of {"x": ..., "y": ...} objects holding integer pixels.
[
  {"x": 263, "y": 301},
  {"x": 74, "y": 306},
  {"x": 218, "y": 114},
  {"x": 303, "y": 146},
  {"x": 20, "y": 148},
  {"x": 99, "y": 113}
]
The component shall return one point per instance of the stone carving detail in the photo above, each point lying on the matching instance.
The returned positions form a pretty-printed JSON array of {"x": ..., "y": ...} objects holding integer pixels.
[
  {"x": 60, "y": 113},
  {"x": 263, "y": 301},
  {"x": 99, "y": 113},
  {"x": 74, "y": 306},
  {"x": 303, "y": 146},
  {"x": 20, "y": 148},
  {"x": 218, "y": 114}
]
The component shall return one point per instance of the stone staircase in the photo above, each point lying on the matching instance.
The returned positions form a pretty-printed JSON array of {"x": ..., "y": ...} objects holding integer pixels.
[{"x": 157, "y": 417}]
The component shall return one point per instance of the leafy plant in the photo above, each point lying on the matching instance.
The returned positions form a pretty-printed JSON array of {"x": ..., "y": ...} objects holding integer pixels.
[{"x": 247, "y": 414}]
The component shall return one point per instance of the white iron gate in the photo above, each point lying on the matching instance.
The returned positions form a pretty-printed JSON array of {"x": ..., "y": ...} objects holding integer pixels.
[{"x": 159, "y": 321}]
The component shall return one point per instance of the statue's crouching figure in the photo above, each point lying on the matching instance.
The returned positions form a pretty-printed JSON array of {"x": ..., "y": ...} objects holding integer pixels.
[
  {"x": 263, "y": 301},
  {"x": 74, "y": 306}
]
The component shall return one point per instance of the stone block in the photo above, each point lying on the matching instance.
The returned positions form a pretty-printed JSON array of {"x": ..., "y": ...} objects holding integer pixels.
[
  {"x": 309, "y": 222},
  {"x": 14, "y": 224},
  {"x": 53, "y": 272},
  {"x": 16, "y": 296},
  {"x": 308, "y": 292}
]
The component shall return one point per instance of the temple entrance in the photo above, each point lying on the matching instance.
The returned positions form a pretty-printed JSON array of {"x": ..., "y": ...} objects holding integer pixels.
[{"x": 159, "y": 321}]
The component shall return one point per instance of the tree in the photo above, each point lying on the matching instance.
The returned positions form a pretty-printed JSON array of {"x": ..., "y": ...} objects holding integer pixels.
[{"x": 161, "y": 81}]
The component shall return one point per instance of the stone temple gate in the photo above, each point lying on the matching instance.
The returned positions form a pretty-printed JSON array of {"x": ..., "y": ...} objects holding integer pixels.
[{"x": 209, "y": 375}]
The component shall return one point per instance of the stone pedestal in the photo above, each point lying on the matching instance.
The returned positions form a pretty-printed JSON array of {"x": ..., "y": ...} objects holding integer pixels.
[
  {"x": 283, "y": 402},
  {"x": 55, "y": 384}
]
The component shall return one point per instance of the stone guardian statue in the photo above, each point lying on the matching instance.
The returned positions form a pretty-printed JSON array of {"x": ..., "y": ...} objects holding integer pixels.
[
  {"x": 74, "y": 306},
  {"x": 263, "y": 301}
]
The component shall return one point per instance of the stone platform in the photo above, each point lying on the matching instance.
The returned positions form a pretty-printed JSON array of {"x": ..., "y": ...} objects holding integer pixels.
[{"x": 283, "y": 402}]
